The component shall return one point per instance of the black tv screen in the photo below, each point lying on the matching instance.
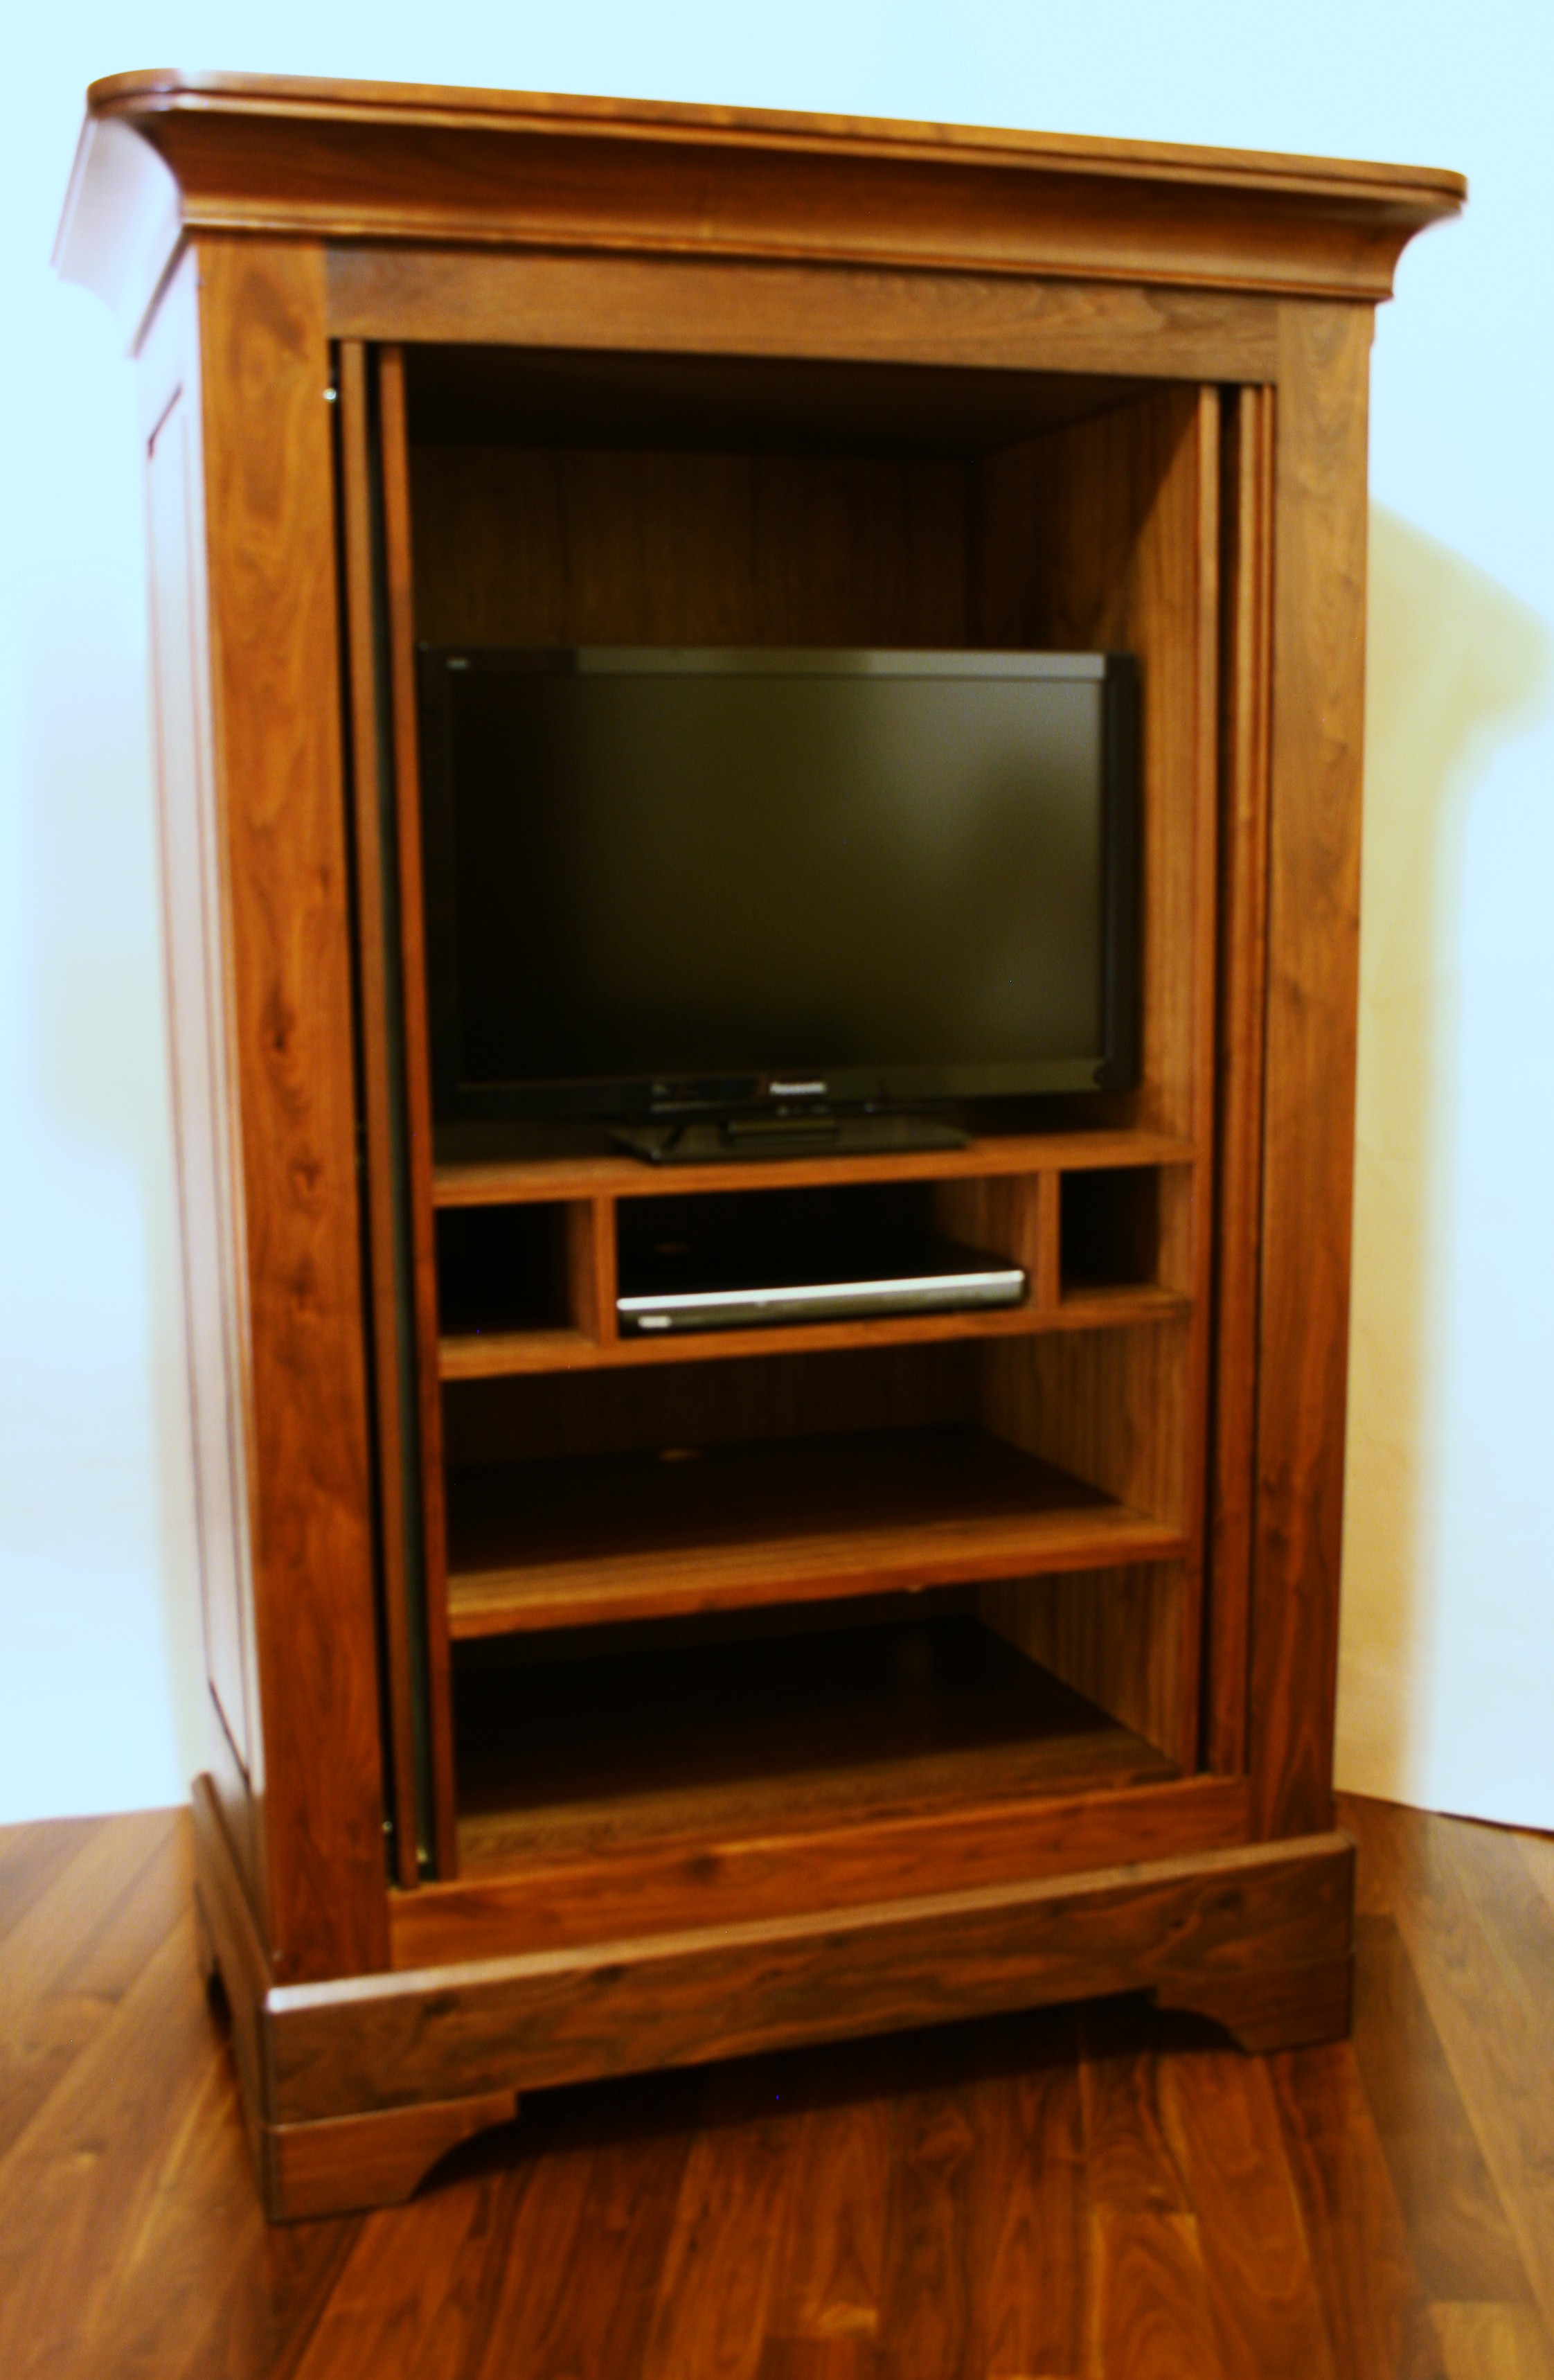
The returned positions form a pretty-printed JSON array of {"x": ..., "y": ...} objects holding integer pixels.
[{"x": 671, "y": 879}]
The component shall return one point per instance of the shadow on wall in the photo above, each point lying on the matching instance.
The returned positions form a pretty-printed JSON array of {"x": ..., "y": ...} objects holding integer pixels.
[{"x": 1456, "y": 667}]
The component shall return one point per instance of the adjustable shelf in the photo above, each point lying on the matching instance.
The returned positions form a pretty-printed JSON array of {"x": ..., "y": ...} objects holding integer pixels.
[
  {"x": 542, "y": 1546},
  {"x": 481, "y": 1355},
  {"x": 504, "y": 1181}
]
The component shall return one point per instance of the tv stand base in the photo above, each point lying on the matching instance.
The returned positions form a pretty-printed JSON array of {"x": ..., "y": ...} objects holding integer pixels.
[
  {"x": 353, "y": 2088},
  {"x": 712, "y": 1140}
]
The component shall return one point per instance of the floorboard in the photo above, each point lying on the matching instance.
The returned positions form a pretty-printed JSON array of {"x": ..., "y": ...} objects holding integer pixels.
[{"x": 1094, "y": 2194}]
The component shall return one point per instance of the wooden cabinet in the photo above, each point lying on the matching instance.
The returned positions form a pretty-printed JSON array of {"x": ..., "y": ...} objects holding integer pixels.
[{"x": 579, "y": 1701}]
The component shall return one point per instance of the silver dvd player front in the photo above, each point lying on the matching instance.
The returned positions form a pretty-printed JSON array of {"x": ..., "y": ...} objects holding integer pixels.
[{"x": 943, "y": 1281}]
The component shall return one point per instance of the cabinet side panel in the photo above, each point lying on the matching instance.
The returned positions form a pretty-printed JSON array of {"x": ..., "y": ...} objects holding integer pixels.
[
  {"x": 209, "y": 1198},
  {"x": 269, "y": 514},
  {"x": 1308, "y": 1136}
]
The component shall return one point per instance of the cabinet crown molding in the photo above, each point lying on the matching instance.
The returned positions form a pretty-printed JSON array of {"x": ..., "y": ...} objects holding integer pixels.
[{"x": 164, "y": 154}]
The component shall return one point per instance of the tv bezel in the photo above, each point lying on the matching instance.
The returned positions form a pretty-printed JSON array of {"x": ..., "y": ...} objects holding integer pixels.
[{"x": 890, "y": 1087}]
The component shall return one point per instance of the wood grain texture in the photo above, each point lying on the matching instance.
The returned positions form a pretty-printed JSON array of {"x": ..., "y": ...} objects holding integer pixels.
[
  {"x": 375, "y": 2160},
  {"x": 1219, "y": 2118},
  {"x": 270, "y": 527},
  {"x": 1012, "y": 1216},
  {"x": 830, "y": 2278},
  {"x": 508, "y": 1182},
  {"x": 590, "y": 1274},
  {"x": 1104, "y": 534},
  {"x": 712, "y": 1404},
  {"x": 31, "y": 1857},
  {"x": 1245, "y": 700},
  {"x": 1098, "y": 537},
  {"x": 556, "y": 547},
  {"x": 504, "y": 1354},
  {"x": 1372, "y": 2306},
  {"x": 1151, "y": 2298},
  {"x": 550, "y": 2017},
  {"x": 759, "y": 1730},
  {"x": 82, "y": 1925},
  {"x": 999, "y": 2146},
  {"x": 399, "y": 586},
  {"x": 395, "y": 1449},
  {"x": 1451, "y": 2209},
  {"x": 205, "y": 1064},
  {"x": 1108, "y": 1405},
  {"x": 1274, "y": 2007},
  {"x": 510, "y": 1896},
  {"x": 1493, "y": 2342},
  {"x": 723, "y": 2255},
  {"x": 1134, "y": 508},
  {"x": 638, "y": 1537},
  {"x": 232, "y": 1953},
  {"x": 1313, "y": 934},
  {"x": 1456, "y": 1892},
  {"x": 333, "y": 160},
  {"x": 704, "y": 306},
  {"x": 1113, "y": 1634}
]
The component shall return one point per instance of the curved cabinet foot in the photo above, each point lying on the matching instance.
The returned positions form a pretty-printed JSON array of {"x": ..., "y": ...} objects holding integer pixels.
[
  {"x": 347, "y": 2162},
  {"x": 205, "y": 1947},
  {"x": 1274, "y": 2007}
]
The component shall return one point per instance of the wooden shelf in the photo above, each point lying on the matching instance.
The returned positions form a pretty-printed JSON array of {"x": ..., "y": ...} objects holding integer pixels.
[
  {"x": 495, "y": 1355},
  {"x": 552, "y": 1545},
  {"x": 521, "y": 1181},
  {"x": 767, "y": 1736}
]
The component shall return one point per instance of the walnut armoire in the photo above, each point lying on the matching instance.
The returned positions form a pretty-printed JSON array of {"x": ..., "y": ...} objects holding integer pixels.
[{"x": 952, "y": 1663}]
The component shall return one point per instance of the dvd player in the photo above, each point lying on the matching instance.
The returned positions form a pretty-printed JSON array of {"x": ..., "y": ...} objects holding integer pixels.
[{"x": 680, "y": 1286}]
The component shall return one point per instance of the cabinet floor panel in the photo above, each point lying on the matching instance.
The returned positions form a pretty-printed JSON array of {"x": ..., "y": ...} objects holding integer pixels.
[
  {"x": 563, "y": 1761},
  {"x": 541, "y": 1545}
]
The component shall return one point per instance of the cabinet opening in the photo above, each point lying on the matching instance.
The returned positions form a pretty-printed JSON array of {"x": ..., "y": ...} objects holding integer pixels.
[
  {"x": 1110, "y": 1228},
  {"x": 589, "y": 499},
  {"x": 835, "y": 1252},
  {"x": 588, "y": 1742},
  {"x": 503, "y": 1268}
]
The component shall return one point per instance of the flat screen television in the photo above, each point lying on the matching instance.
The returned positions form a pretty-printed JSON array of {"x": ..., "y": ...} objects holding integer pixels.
[{"x": 671, "y": 882}]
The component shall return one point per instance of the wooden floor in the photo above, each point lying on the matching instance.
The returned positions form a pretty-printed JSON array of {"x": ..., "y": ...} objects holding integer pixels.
[{"x": 1098, "y": 2193}]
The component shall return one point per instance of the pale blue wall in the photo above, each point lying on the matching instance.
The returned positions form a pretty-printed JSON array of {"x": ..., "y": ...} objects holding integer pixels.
[{"x": 1449, "y": 1673}]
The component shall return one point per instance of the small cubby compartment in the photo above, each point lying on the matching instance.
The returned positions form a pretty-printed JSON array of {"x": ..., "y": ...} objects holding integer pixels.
[
  {"x": 739, "y": 1229},
  {"x": 1110, "y": 1235},
  {"x": 771, "y": 1238},
  {"x": 504, "y": 1270},
  {"x": 590, "y": 1744}
]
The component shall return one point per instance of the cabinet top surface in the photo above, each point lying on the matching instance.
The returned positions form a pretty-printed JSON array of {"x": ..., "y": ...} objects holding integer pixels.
[{"x": 166, "y": 155}]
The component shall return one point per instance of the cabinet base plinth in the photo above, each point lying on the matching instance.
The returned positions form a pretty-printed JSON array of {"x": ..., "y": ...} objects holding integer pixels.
[
  {"x": 348, "y": 2163},
  {"x": 355, "y": 2086},
  {"x": 1283, "y": 2007}
]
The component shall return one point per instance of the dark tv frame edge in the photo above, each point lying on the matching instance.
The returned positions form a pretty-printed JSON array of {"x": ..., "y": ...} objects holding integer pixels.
[{"x": 893, "y": 1090}]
